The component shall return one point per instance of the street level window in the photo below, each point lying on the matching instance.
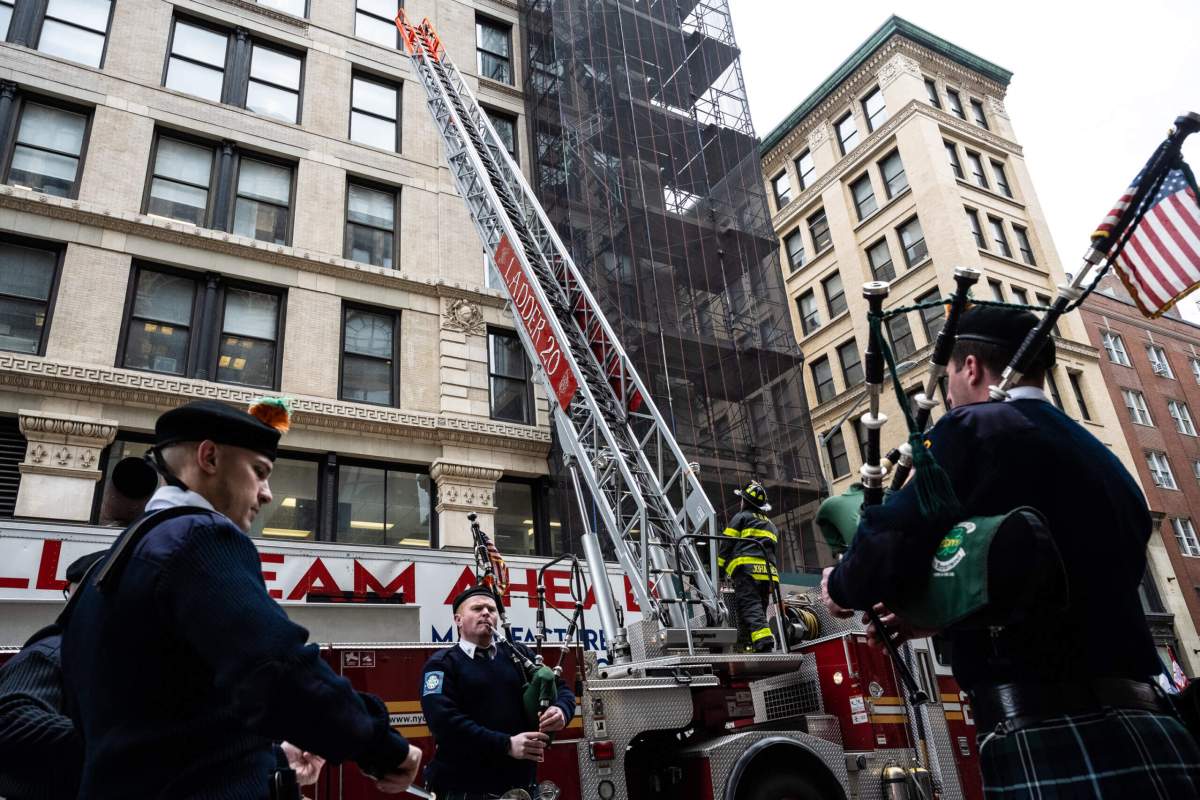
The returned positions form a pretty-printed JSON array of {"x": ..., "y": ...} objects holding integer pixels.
[
  {"x": 371, "y": 224},
  {"x": 203, "y": 326},
  {"x": 874, "y": 109},
  {"x": 1024, "y": 245},
  {"x": 880, "y": 260},
  {"x": 374, "y": 111},
  {"x": 839, "y": 461},
  {"x": 852, "y": 369},
  {"x": 180, "y": 180},
  {"x": 810, "y": 316},
  {"x": 1077, "y": 389},
  {"x": 374, "y": 20},
  {"x": 1185, "y": 535},
  {"x": 933, "y": 317},
  {"x": 1114, "y": 345},
  {"x": 847, "y": 132},
  {"x": 493, "y": 48},
  {"x": 892, "y": 170},
  {"x": 835, "y": 295},
  {"x": 912, "y": 239},
  {"x": 1158, "y": 361},
  {"x": 998, "y": 236},
  {"x": 781, "y": 185},
  {"x": 262, "y": 205},
  {"x": 1135, "y": 403},
  {"x": 1182, "y": 417},
  {"x": 952, "y": 156},
  {"x": 818, "y": 229},
  {"x": 261, "y": 78},
  {"x": 976, "y": 230},
  {"x": 384, "y": 506},
  {"x": 805, "y": 169},
  {"x": 977, "y": 112},
  {"x": 514, "y": 524},
  {"x": 1160, "y": 470},
  {"x": 508, "y": 379},
  {"x": 864, "y": 197},
  {"x": 822, "y": 375},
  {"x": 293, "y": 513},
  {"x": 975, "y": 163},
  {"x": 297, "y": 8},
  {"x": 506, "y": 129},
  {"x": 76, "y": 30},
  {"x": 931, "y": 90},
  {"x": 955, "y": 102},
  {"x": 1001, "y": 179},
  {"x": 903, "y": 344},
  {"x": 28, "y": 276},
  {"x": 794, "y": 245},
  {"x": 47, "y": 149},
  {"x": 370, "y": 340}
]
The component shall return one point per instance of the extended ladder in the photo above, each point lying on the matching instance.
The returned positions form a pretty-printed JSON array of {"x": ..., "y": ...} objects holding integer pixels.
[{"x": 645, "y": 492}]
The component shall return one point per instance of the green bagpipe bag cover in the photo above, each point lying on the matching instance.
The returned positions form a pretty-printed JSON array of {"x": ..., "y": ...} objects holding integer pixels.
[{"x": 543, "y": 686}]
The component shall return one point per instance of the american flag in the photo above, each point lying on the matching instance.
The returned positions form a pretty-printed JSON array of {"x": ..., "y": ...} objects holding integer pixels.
[
  {"x": 499, "y": 568},
  {"x": 1160, "y": 262}
]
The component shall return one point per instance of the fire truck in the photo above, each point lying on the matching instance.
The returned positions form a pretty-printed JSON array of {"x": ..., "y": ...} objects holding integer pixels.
[{"x": 669, "y": 705}]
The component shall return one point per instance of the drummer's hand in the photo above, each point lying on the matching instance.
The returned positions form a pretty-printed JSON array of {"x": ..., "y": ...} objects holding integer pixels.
[{"x": 832, "y": 607}]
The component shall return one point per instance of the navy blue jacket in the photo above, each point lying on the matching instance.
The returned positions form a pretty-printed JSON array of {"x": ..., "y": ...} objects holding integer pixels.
[
  {"x": 40, "y": 752},
  {"x": 1000, "y": 456},
  {"x": 473, "y": 707},
  {"x": 181, "y": 675}
]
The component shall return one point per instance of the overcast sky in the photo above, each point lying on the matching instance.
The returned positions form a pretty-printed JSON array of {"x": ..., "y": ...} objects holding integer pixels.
[{"x": 1095, "y": 85}]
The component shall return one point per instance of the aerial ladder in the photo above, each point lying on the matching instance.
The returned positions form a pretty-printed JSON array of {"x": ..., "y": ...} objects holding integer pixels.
[{"x": 615, "y": 442}]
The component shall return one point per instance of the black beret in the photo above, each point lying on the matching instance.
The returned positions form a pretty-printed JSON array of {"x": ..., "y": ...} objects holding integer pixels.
[
  {"x": 223, "y": 424},
  {"x": 80, "y": 566},
  {"x": 1004, "y": 328},
  {"x": 466, "y": 594}
]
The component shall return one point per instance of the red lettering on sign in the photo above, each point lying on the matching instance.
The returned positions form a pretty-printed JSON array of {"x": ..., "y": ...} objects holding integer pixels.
[
  {"x": 528, "y": 589},
  {"x": 589, "y": 599},
  {"x": 630, "y": 603},
  {"x": 466, "y": 580},
  {"x": 269, "y": 575},
  {"x": 558, "y": 582},
  {"x": 14, "y": 583},
  {"x": 316, "y": 581},
  {"x": 534, "y": 319},
  {"x": 47, "y": 577},
  {"x": 405, "y": 582}
]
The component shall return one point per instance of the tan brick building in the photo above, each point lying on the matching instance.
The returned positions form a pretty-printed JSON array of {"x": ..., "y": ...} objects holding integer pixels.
[
  {"x": 901, "y": 166},
  {"x": 228, "y": 199}
]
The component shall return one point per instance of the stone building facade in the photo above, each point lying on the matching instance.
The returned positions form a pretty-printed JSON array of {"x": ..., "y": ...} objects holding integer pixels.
[{"x": 902, "y": 166}]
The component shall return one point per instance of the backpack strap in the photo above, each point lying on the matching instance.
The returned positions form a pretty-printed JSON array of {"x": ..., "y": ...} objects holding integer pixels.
[{"x": 109, "y": 572}]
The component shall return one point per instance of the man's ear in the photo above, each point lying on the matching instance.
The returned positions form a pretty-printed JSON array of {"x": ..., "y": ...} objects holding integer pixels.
[
  {"x": 973, "y": 369},
  {"x": 206, "y": 456}
]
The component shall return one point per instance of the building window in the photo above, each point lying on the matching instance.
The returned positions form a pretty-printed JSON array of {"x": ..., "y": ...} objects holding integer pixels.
[
  {"x": 1136, "y": 403},
  {"x": 203, "y": 327},
  {"x": 374, "y": 113},
  {"x": 1077, "y": 389},
  {"x": 506, "y": 129},
  {"x": 375, "y": 21},
  {"x": 262, "y": 202},
  {"x": 293, "y": 514},
  {"x": 297, "y": 8},
  {"x": 1183, "y": 418},
  {"x": 881, "y": 261},
  {"x": 835, "y": 296},
  {"x": 933, "y": 317},
  {"x": 782, "y": 187},
  {"x": 370, "y": 356},
  {"x": 384, "y": 506},
  {"x": 997, "y": 286},
  {"x": 892, "y": 169},
  {"x": 955, "y": 103},
  {"x": 977, "y": 112},
  {"x": 852, "y": 370},
  {"x": 1196, "y": 469},
  {"x": 508, "y": 378},
  {"x": 952, "y": 156},
  {"x": 999, "y": 238},
  {"x": 1001, "y": 179},
  {"x": 75, "y": 30},
  {"x": 1052, "y": 385},
  {"x": 1044, "y": 302},
  {"x": 493, "y": 47},
  {"x": 976, "y": 166},
  {"x": 514, "y": 522},
  {"x": 47, "y": 149},
  {"x": 822, "y": 374},
  {"x": 1185, "y": 534},
  {"x": 180, "y": 180},
  {"x": 1159, "y": 362},
  {"x": 818, "y": 229},
  {"x": 913, "y": 241},
  {"x": 805, "y": 168},
  {"x": 839, "y": 460},
  {"x": 874, "y": 110},
  {"x": 1195, "y": 368},
  {"x": 28, "y": 279},
  {"x": 1160, "y": 470},
  {"x": 810, "y": 317},
  {"x": 903, "y": 344},
  {"x": 847, "y": 132},
  {"x": 794, "y": 245},
  {"x": 1023, "y": 245},
  {"x": 931, "y": 90},
  {"x": 976, "y": 231},
  {"x": 864, "y": 197},
  {"x": 260, "y": 78},
  {"x": 1115, "y": 346},
  {"x": 1020, "y": 295},
  {"x": 371, "y": 224}
]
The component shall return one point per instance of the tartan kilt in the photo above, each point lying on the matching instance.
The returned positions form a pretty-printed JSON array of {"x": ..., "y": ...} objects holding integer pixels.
[{"x": 1115, "y": 753}]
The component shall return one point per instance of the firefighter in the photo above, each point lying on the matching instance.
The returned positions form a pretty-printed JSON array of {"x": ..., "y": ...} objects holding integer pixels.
[
  {"x": 744, "y": 564},
  {"x": 178, "y": 666},
  {"x": 472, "y": 697}
]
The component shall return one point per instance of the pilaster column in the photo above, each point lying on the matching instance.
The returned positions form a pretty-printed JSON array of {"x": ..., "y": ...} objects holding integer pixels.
[
  {"x": 464, "y": 489},
  {"x": 60, "y": 470}
]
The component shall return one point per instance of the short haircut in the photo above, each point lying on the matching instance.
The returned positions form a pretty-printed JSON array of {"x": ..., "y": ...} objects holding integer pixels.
[{"x": 995, "y": 359}]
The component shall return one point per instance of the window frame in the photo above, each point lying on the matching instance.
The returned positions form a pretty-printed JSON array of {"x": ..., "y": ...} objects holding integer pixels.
[
  {"x": 1024, "y": 245},
  {"x": 931, "y": 91},
  {"x": 905, "y": 248},
  {"x": 374, "y": 186},
  {"x": 954, "y": 160},
  {"x": 975, "y": 161},
  {"x": 869, "y": 118},
  {"x": 999, "y": 236},
  {"x": 213, "y": 173},
  {"x": 395, "y": 314},
  {"x": 906, "y": 336},
  {"x": 1186, "y": 540},
  {"x": 1161, "y": 473},
  {"x": 799, "y": 236},
  {"x": 511, "y": 57},
  {"x": 396, "y": 86},
  {"x": 37, "y": 25},
  {"x": 954, "y": 102},
  {"x": 1113, "y": 343},
  {"x": 1001, "y": 177},
  {"x": 1052, "y": 385},
  {"x": 530, "y": 397},
  {"x": 492, "y": 115},
  {"x": 823, "y": 361},
  {"x": 1156, "y": 361},
  {"x": 975, "y": 228},
  {"x": 18, "y": 113},
  {"x": 837, "y": 130},
  {"x": 784, "y": 197},
  {"x": 373, "y": 15},
  {"x": 887, "y": 182},
  {"x": 60, "y": 251},
  {"x": 236, "y": 172},
  {"x": 841, "y": 295},
  {"x": 280, "y": 294},
  {"x": 329, "y": 483},
  {"x": 938, "y": 312},
  {"x": 1135, "y": 404},
  {"x": 838, "y": 435},
  {"x": 890, "y": 264},
  {"x": 978, "y": 113},
  {"x": 818, "y": 250},
  {"x": 801, "y": 172},
  {"x": 1179, "y": 413},
  {"x": 1195, "y": 363},
  {"x": 847, "y": 369},
  {"x": 815, "y": 312},
  {"x": 1075, "y": 379},
  {"x": 868, "y": 199}
]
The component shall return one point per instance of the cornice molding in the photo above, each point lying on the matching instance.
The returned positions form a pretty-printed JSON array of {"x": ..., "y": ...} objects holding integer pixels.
[
  {"x": 301, "y": 25},
  {"x": 186, "y": 235},
  {"x": 127, "y": 387},
  {"x": 453, "y": 472}
]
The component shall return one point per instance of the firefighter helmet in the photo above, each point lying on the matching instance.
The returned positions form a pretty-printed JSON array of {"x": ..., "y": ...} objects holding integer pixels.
[{"x": 754, "y": 494}]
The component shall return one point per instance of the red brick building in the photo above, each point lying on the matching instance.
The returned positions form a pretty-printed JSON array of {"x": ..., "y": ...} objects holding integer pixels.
[{"x": 1152, "y": 371}]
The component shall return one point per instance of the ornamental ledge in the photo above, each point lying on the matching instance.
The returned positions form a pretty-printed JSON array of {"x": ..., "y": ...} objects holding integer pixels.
[
  {"x": 46, "y": 426},
  {"x": 450, "y": 470}
]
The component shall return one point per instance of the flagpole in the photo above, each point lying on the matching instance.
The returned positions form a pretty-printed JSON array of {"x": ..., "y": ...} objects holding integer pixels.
[{"x": 1106, "y": 245}]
